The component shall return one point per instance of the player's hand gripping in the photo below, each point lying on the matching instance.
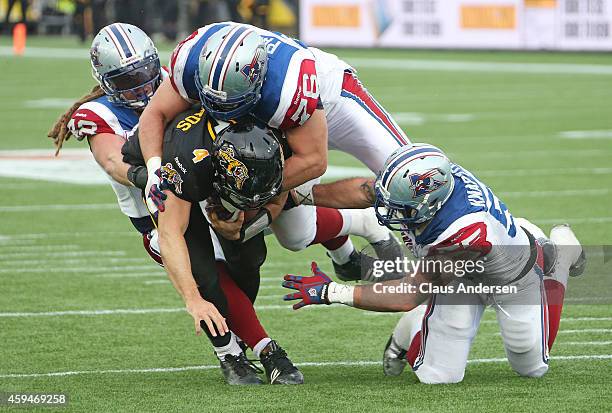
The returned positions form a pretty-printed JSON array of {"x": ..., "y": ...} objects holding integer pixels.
[
  {"x": 204, "y": 311},
  {"x": 154, "y": 194},
  {"x": 310, "y": 290}
]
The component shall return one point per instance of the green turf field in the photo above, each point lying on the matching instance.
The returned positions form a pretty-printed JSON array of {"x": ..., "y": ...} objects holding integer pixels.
[{"x": 506, "y": 124}]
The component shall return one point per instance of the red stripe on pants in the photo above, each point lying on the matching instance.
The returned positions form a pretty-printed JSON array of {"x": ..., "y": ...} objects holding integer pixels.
[
  {"x": 352, "y": 85},
  {"x": 555, "y": 292}
]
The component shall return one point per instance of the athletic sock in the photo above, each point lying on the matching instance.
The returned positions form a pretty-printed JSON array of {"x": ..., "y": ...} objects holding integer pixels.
[
  {"x": 407, "y": 326},
  {"x": 231, "y": 348},
  {"x": 241, "y": 317},
  {"x": 340, "y": 255},
  {"x": 260, "y": 346},
  {"x": 363, "y": 223},
  {"x": 329, "y": 224},
  {"x": 555, "y": 292}
]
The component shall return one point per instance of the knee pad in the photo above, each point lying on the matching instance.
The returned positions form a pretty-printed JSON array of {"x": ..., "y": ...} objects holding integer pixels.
[
  {"x": 534, "y": 229},
  {"x": 430, "y": 375},
  {"x": 519, "y": 338}
]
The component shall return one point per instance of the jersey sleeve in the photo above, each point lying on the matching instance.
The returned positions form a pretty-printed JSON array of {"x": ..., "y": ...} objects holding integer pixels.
[
  {"x": 93, "y": 118},
  {"x": 182, "y": 66},
  {"x": 473, "y": 237},
  {"x": 299, "y": 95}
]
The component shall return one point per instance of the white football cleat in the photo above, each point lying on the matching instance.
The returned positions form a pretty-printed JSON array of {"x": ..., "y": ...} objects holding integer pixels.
[{"x": 570, "y": 253}]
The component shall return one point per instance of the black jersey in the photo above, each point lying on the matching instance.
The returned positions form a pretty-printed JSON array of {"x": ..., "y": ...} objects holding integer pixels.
[{"x": 186, "y": 156}]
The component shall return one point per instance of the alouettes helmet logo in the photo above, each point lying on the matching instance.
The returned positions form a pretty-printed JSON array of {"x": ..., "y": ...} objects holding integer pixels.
[
  {"x": 425, "y": 183},
  {"x": 94, "y": 53},
  {"x": 253, "y": 69}
]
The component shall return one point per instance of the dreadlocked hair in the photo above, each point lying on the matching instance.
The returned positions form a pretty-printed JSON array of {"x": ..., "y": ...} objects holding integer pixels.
[{"x": 60, "y": 132}]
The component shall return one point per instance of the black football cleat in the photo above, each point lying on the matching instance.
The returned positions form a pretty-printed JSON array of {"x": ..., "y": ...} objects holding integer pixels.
[
  {"x": 389, "y": 249},
  {"x": 237, "y": 370},
  {"x": 279, "y": 369},
  {"x": 351, "y": 270}
]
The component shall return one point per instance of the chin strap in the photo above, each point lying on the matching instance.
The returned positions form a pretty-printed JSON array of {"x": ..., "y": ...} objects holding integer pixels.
[{"x": 259, "y": 222}]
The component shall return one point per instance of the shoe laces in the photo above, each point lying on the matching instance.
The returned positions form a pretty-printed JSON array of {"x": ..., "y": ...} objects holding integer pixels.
[
  {"x": 278, "y": 357},
  {"x": 241, "y": 364}
]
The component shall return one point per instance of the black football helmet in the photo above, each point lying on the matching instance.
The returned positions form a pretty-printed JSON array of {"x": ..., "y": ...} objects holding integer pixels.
[{"x": 248, "y": 162}]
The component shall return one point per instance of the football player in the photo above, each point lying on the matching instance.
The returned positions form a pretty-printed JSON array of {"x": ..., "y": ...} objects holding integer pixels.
[
  {"x": 126, "y": 65},
  {"x": 242, "y": 166},
  {"x": 236, "y": 70},
  {"x": 446, "y": 215}
]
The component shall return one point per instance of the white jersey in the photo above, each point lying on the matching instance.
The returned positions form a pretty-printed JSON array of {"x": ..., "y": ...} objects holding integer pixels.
[
  {"x": 300, "y": 80},
  {"x": 473, "y": 217},
  {"x": 102, "y": 116}
]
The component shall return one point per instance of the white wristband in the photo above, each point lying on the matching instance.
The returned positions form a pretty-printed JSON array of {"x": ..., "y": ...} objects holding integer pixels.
[
  {"x": 153, "y": 164},
  {"x": 340, "y": 293}
]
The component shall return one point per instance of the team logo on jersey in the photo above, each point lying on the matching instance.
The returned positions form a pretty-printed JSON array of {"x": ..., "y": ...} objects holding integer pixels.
[
  {"x": 199, "y": 155},
  {"x": 423, "y": 184},
  {"x": 94, "y": 53},
  {"x": 252, "y": 71},
  {"x": 172, "y": 176},
  {"x": 233, "y": 166}
]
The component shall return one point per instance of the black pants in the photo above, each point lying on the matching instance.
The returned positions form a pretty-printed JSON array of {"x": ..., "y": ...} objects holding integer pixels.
[{"x": 244, "y": 261}]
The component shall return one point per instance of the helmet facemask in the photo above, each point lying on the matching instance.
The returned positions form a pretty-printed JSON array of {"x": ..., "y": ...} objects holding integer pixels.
[{"x": 132, "y": 86}]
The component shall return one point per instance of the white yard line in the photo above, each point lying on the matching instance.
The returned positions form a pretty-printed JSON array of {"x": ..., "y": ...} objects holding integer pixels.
[
  {"x": 346, "y": 363},
  {"x": 57, "y": 207},
  {"x": 487, "y": 67},
  {"x": 76, "y": 269},
  {"x": 64, "y": 262},
  {"x": 376, "y": 63},
  {"x": 585, "y": 343},
  {"x": 63, "y": 254},
  {"x": 586, "y": 134},
  {"x": 556, "y": 194},
  {"x": 586, "y": 330},
  {"x": 88, "y": 234},
  {"x": 119, "y": 311}
]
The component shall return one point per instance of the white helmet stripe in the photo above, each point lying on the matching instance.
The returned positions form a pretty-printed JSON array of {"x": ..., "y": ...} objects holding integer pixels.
[
  {"x": 225, "y": 41},
  {"x": 228, "y": 59},
  {"x": 128, "y": 38},
  {"x": 120, "y": 41}
]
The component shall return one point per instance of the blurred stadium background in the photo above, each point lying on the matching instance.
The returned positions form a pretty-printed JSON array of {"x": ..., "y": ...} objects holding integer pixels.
[{"x": 84, "y": 311}]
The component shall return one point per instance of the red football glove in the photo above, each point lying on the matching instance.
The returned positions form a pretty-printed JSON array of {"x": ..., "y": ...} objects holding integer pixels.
[{"x": 311, "y": 290}]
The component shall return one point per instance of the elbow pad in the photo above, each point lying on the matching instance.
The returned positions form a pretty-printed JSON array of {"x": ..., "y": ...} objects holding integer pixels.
[
  {"x": 260, "y": 222},
  {"x": 137, "y": 175}
]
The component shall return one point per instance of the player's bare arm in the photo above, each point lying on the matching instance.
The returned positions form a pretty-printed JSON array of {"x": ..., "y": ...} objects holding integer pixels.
[
  {"x": 172, "y": 226},
  {"x": 399, "y": 295},
  {"x": 309, "y": 146},
  {"x": 106, "y": 149},
  {"x": 347, "y": 193},
  {"x": 165, "y": 105}
]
